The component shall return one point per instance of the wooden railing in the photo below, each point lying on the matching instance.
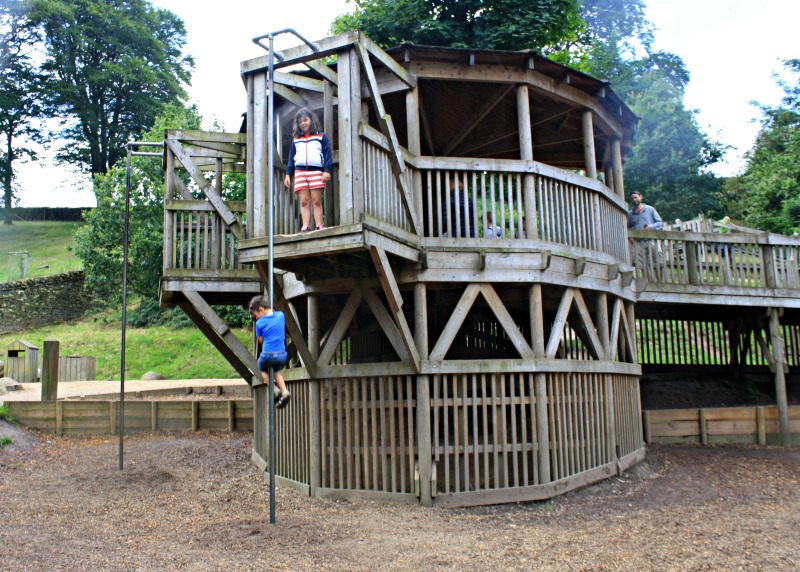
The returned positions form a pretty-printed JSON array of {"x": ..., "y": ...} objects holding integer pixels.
[
  {"x": 454, "y": 196},
  {"x": 196, "y": 237},
  {"x": 701, "y": 259}
]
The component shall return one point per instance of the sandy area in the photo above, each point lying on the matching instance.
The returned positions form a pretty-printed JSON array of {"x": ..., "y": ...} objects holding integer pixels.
[{"x": 110, "y": 389}]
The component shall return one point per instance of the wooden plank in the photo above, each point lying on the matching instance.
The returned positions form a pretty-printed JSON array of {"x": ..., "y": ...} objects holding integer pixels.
[
  {"x": 340, "y": 327},
  {"x": 557, "y": 331},
  {"x": 395, "y": 299},
  {"x": 506, "y": 321},
  {"x": 386, "y": 323},
  {"x": 455, "y": 321}
]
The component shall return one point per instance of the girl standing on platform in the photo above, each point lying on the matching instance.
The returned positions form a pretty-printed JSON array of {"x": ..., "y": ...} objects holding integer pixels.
[{"x": 311, "y": 163}]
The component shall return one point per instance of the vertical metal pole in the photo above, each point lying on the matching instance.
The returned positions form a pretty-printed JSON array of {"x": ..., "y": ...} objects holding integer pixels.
[
  {"x": 124, "y": 306},
  {"x": 270, "y": 268}
]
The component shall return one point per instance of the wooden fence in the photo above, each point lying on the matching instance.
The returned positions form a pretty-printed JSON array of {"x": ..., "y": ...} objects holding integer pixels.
[
  {"x": 102, "y": 417},
  {"x": 757, "y": 425},
  {"x": 737, "y": 260}
]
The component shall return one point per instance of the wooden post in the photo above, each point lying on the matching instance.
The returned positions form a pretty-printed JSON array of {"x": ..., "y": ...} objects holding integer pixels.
[
  {"x": 415, "y": 144},
  {"x": 589, "y": 156},
  {"x": 693, "y": 271},
  {"x": 703, "y": 427},
  {"x": 424, "y": 444},
  {"x": 259, "y": 140},
  {"x": 768, "y": 263},
  {"x": 195, "y": 416},
  {"x": 231, "y": 416},
  {"x": 646, "y": 425},
  {"x": 50, "y": 370},
  {"x": 314, "y": 405},
  {"x": 112, "y": 417},
  {"x": 616, "y": 166},
  {"x": 153, "y": 415},
  {"x": 761, "y": 426},
  {"x": 59, "y": 417},
  {"x": 540, "y": 383},
  {"x": 526, "y": 154},
  {"x": 346, "y": 212},
  {"x": 780, "y": 379},
  {"x": 330, "y": 203}
]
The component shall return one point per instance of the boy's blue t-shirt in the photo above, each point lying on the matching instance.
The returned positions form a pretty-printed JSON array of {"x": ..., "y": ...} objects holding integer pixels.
[{"x": 272, "y": 329}]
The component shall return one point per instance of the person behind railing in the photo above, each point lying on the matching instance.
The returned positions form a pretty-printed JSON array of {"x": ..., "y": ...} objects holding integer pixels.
[
  {"x": 645, "y": 217},
  {"x": 464, "y": 225},
  {"x": 311, "y": 163},
  {"x": 725, "y": 249},
  {"x": 492, "y": 230}
]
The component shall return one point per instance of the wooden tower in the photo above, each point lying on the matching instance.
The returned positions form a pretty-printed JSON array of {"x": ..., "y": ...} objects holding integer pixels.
[{"x": 435, "y": 363}]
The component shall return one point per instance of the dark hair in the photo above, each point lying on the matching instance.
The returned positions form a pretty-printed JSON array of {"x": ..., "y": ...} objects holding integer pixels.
[
  {"x": 305, "y": 112},
  {"x": 258, "y": 302}
]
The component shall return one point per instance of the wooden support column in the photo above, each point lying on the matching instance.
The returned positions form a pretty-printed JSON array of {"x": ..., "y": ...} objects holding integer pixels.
[
  {"x": 314, "y": 403},
  {"x": 424, "y": 444},
  {"x": 259, "y": 141},
  {"x": 50, "y": 370},
  {"x": 780, "y": 376},
  {"x": 589, "y": 155},
  {"x": 616, "y": 166},
  {"x": 414, "y": 143},
  {"x": 330, "y": 202},
  {"x": 540, "y": 383},
  {"x": 357, "y": 157},
  {"x": 603, "y": 329},
  {"x": 346, "y": 213},
  {"x": 526, "y": 154}
]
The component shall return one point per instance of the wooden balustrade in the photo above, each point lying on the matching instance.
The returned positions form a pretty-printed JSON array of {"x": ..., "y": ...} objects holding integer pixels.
[
  {"x": 698, "y": 259},
  {"x": 196, "y": 237}
]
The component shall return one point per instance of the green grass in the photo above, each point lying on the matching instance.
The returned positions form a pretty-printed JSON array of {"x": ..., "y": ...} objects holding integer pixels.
[
  {"x": 6, "y": 416},
  {"x": 48, "y": 244},
  {"x": 182, "y": 353},
  {"x": 6, "y": 441}
]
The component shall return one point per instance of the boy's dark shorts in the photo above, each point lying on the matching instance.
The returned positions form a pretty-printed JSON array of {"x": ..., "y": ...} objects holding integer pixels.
[{"x": 276, "y": 360}]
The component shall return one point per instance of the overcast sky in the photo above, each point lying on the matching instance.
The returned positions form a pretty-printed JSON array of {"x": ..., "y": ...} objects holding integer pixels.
[{"x": 731, "y": 48}]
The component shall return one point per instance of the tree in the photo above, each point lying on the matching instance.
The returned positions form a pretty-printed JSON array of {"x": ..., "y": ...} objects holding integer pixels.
[
  {"x": 770, "y": 185},
  {"x": 462, "y": 23},
  {"x": 670, "y": 159},
  {"x": 671, "y": 155},
  {"x": 19, "y": 94},
  {"x": 112, "y": 67}
]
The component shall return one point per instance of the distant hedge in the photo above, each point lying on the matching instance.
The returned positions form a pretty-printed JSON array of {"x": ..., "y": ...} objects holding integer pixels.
[{"x": 60, "y": 214}]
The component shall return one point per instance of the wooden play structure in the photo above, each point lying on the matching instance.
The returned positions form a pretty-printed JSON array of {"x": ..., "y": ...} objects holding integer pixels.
[{"x": 431, "y": 362}]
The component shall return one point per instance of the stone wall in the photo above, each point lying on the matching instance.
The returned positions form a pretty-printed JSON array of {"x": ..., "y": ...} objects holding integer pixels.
[{"x": 26, "y": 304}]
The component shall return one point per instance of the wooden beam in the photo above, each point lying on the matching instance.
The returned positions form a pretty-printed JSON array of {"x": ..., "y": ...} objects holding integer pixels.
[
  {"x": 291, "y": 96},
  {"x": 340, "y": 328},
  {"x": 376, "y": 52},
  {"x": 323, "y": 70},
  {"x": 387, "y": 128},
  {"x": 596, "y": 346},
  {"x": 454, "y": 323},
  {"x": 506, "y": 321},
  {"x": 395, "y": 300},
  {"x": 386, "y": 323},
  {"x": 292, "y": 326},
  {"x": 221, "y": 337},
  {"x": 222, "y": 209},
  {"x": 472, "y": 121},
  {"x": 557, "y": 331}
]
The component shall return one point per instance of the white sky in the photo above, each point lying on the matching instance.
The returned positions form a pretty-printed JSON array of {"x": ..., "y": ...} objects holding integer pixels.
[{"x": 731, "y": 48}]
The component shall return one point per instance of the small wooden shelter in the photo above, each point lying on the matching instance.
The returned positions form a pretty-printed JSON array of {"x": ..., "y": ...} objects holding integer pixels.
[{"x": 22, "y": 362}]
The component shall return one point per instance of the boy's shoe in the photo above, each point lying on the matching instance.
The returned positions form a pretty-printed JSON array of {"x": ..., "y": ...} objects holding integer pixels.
[
  {"x": 284, "y": 400},
  {"x": 305, "y": 229},
  {"x": 277, "y": 393},
  {"x": 320, "y": 227}
]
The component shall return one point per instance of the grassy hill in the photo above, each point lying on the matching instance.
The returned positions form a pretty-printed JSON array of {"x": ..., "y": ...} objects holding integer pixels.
[
  {"x": 177, "y": 353},
  {"x": 182, "y": 353},
  {"x": 48, "y": 244}
]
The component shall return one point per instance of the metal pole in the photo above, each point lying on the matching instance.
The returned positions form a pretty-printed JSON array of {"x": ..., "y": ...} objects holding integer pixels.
[
  {"x": 270, "y": 268},
  {"x": 124, "y": 305},
  {"x": 125, "y": 242}
]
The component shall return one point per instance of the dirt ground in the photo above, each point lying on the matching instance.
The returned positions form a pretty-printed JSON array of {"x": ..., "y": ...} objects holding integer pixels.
[{"x": 195, "y": 502}]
